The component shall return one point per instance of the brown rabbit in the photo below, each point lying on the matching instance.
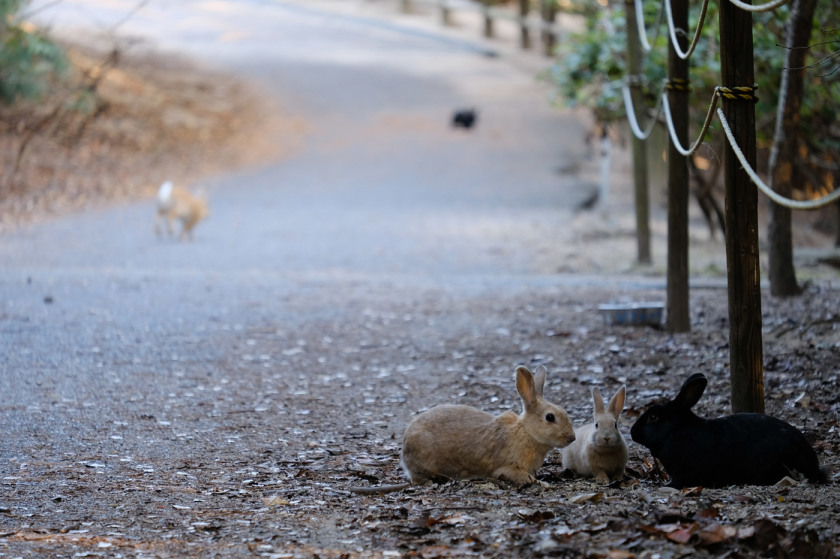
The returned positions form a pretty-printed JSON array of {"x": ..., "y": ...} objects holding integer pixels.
[
  {"x": 599, "y": 449},
  {"x": 461, "y": 442},
  {"x": 176, "y": 203}
]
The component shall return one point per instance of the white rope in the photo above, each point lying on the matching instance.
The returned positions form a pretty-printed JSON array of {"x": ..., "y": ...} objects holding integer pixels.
[
  {"x": 769, "y": 6},
  {"x": 673, "y": 32},
  {"x": 769, "y": 192},
  {"x": 673, "y": 132},
  {"x": 640, "y": 25},
  {"x": 631, "y": 115}
]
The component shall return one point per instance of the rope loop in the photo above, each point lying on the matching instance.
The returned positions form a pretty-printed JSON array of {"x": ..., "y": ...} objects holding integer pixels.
[
  {"x": 739, "y": 93},
  {"x": 830, "y": 198},
  {"x": 672, "y": 29},
  {"x": 769, "y": 6}
]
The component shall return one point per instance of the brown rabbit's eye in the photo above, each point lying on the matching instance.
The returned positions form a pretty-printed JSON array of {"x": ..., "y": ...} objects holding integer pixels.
[
  {"x": 596, "y": 424},
  {"x": 549, "y": 417}
]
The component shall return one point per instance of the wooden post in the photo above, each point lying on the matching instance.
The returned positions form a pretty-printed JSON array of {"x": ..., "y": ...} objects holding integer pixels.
[
  {"x": 524, "y": 33},
  {"x": 549, "y": 11},
  {"x": 445, "y": 12},
  {"x": 640, "y": 176},
  {"x": 488, "y": 20},
  {"x": 743, "y": 274},
  {"x": 679, "y": 319}
]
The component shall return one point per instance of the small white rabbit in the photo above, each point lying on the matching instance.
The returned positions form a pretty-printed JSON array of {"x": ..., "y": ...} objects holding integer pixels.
[
  {"x": 461, "y": 442},
  {"x": 599, "y": 449}
]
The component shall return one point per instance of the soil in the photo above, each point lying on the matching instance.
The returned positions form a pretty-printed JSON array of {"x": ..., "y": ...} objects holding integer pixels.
[
  {"x": 242, "y": 461},
  {"x": 155, "y": 117},
  {"x": 239, "y": 458}
]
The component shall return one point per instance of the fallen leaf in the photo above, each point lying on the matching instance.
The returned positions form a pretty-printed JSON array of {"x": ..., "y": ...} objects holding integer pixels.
[
  {"x": 708, "y": 513},
  {"x": 715, "y": 533},
  {"x": 586, "y": 497},
  {"x": 683, "y": 535},
  {"x": 274, "y": 501}
]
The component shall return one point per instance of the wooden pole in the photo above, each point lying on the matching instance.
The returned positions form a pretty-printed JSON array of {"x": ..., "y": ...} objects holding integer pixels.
[
  {"x": 549, "y": 11},
  {"x": 488, "y": 20},
  {"x": 445, "y": 12},
  {"x": 679, "y": 319},
  {"x": 743, "y": 274},
  {"x": 524, "y": 33},
  {"x": 640, "y": 176}
]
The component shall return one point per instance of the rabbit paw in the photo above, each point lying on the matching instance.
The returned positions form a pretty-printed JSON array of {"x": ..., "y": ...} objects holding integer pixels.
[
  {"x": 602, "y": 477},
  {"x": 517, "y": 476}
]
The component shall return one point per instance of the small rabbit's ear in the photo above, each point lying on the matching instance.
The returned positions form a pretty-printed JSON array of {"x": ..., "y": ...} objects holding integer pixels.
[
  {"x": 597, "y": 400},
  {"x": 539, "y": 380},
  {"x": 616, "y": 405},
  {"x": 691, "y": 391},
  {"x": 525, "y": 386}
]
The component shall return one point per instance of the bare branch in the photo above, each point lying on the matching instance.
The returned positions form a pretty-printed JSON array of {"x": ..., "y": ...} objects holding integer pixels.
[
  {"x": 35, "y": 11},
  {"x": 140, "y": 5}
]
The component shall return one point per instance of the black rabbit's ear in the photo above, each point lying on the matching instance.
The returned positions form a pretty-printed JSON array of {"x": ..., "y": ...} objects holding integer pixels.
[{"x": 691, "y": 391}]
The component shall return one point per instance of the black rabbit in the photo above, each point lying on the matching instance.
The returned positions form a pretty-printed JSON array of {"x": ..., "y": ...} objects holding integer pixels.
[
  {"x": 464, "y": 118},
  {"x": 740, "y": 449}
]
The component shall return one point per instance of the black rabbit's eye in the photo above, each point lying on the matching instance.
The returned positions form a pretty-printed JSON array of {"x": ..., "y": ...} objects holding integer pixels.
[
  {"x": 549, "y": 417},
  {"x": 653, "y": 418}
]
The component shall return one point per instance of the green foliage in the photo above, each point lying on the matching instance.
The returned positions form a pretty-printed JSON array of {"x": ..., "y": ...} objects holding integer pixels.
[
  {"x": 29, "y": 61},
  {"x": 592, "y": 64}
]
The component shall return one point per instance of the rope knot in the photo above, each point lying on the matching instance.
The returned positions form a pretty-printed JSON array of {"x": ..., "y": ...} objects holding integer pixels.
[
  {"x": 739, "y": 93},
  {"x": 678, "y": 84}
]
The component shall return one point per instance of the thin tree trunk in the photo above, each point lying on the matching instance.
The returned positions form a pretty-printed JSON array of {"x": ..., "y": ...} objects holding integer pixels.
[{"x": 783, "y": 173}]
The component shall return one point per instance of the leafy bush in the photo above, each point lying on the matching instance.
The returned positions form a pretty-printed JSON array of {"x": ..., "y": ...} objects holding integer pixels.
[
  {"x": 29, "y": 61},
  {"x": 591, "y": 66}
]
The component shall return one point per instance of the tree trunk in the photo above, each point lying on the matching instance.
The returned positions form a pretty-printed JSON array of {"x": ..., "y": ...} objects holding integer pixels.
[{"x": 783, "y": 168}]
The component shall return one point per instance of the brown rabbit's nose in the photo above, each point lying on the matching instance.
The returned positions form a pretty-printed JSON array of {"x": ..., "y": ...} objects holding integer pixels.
[{"x": 570, "y": 438}]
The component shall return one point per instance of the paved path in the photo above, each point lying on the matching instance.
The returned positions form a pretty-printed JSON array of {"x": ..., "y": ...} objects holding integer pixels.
[
  {"x": 381, "y": 187},
  {"x": 382, "y": 200}
]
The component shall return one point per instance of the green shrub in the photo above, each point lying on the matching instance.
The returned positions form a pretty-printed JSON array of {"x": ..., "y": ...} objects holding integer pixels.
[{"x": 29, "y": 60}]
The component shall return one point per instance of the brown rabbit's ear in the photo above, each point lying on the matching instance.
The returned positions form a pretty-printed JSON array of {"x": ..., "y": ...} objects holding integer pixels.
[
  {"x": 539, "y": 380},
  {"x": 597, "y": 400},
  {"x": 691, "y": 391},
  {"x": 525, "y": 386},
  {"x": 616, "y": 405}
]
